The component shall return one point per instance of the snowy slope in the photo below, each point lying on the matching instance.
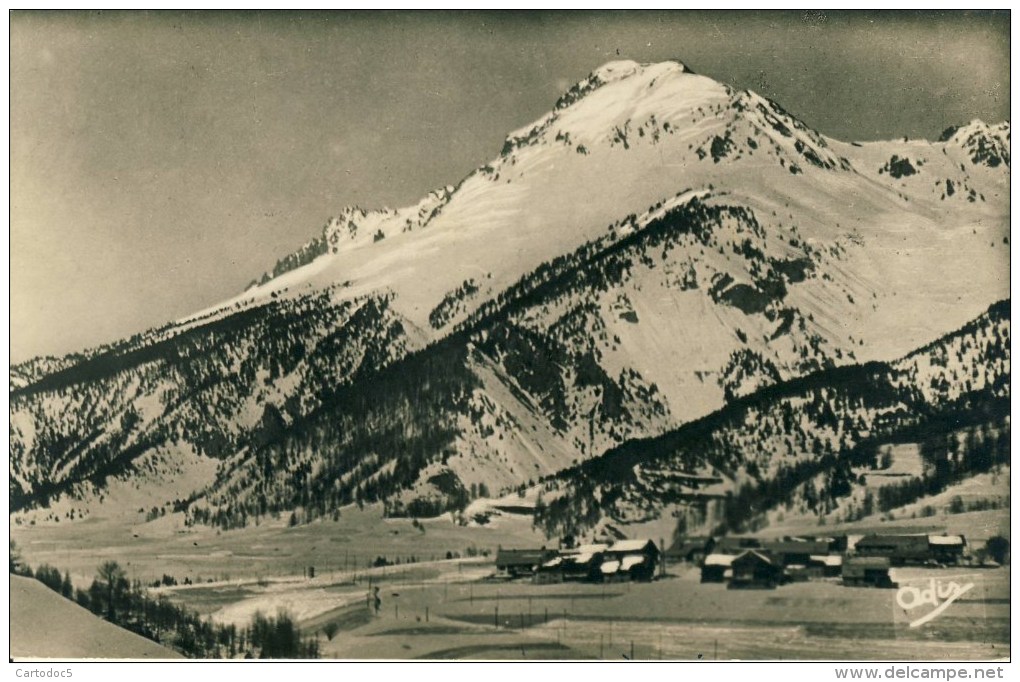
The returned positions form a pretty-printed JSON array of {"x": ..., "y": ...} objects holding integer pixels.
[
  {"x": 805, "y": 448},
  {"x": 643, "y": 132},
  {"x": 658, "y": 244},
  {"x": 898, "y": 257},
  {"x": 45, "y": 625}
]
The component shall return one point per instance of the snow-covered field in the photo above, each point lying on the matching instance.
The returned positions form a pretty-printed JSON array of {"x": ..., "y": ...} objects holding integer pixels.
[
  {"x": 268, "y": 552},
  {"x": 451, "y": 609}
]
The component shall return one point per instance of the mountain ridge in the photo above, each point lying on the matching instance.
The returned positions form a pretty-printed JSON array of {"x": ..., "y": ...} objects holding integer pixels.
[
  {"x": 813, "y": 428},
  {"x": 655, "y": 247},
  {"x": 773, "y": 116}
]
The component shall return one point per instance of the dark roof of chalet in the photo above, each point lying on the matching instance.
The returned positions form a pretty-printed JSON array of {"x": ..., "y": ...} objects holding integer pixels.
[
  {"x": 896, "y": 541},
  {"x": 796, "y": 546},
  {"x": 728, "y": 544},
  {"x": 633, "y": 546},
  {"x": 522, "y": 557},
  {"x": 690, "y": 545},
  {"x": 866, "y": 562},
  {"x": 946, "y": 540},
  {"x": 755, "y": 556}
]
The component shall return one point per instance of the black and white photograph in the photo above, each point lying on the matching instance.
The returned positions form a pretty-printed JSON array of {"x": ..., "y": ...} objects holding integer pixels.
[{"x": 510, "y": 336}]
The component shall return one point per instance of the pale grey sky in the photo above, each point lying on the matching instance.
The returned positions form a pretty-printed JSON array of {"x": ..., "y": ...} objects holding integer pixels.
[{"x": 160, "y": 161}]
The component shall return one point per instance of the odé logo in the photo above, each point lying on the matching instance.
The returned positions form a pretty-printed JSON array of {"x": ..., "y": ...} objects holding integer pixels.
[{"x": 938, "y": 594}]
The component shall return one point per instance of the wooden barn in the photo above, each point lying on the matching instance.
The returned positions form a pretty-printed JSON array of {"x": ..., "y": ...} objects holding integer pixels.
[
  {"x": 715, "y": 567},
  {"x": 583, "y": 562},
  {"x": 825, "y": 566},
  {"x": 549, "y": 572},
  {"x": 898, "y": 549},
  {"x": 522, "y": 562},
  {"x": 735, "y": 545},
  {"x": 610, "y": 571},
  {"x": 838, "y": 544},
  {"x": 946, "y": 549},
  {"x": 795, "y": 552},
  {"x": 755, "y": 569},
  {"x": 637, "y": 559},
  {"x": 867, "y": 571},
  {"x": 692, "y": 550}
]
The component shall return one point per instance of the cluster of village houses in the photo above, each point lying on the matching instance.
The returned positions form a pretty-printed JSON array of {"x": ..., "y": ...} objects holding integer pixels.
[
  {"x": 610, "y": 562},
  {"x": 739, "y": 561}
]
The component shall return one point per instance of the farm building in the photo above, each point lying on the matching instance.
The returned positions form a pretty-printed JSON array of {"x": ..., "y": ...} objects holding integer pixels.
[
  {"x": 692, "y": 550},
  {"x": 583, "y": 562},
  {"x": 795, "y": 552},
  {"x": 637, "y": 559},
  {"x": 825, "y": 566},
  {"x": 610, "y": 571},
  {"x": 838, "y": 544},
  {"x": 581, "y": 550},
  {"x": 637, "y": 567},
  {"x": 549, "y": 572},
  {"x": 871, "y": 571},
  {"x": 518, "y": 562},
  {"x": 755, "y": 569},
  {"x": 715, "y": 567},
  {"x": 735, "y": 545},
  {"x": 898, "y": 549},
  {"x": 946, "y": 549}
]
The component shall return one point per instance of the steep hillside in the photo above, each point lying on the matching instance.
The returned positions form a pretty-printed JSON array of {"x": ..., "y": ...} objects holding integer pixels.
[
  {"x": 46, "y": 625},
  {"x": 807, "y": 442},
  {"x": 207, "y": 391},
  {"x": 655, "y": 247}
]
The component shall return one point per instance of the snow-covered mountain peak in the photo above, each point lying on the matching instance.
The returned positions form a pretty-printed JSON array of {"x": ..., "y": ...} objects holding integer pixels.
[
  {"x": 616, "y": 70},
  {"x": 625, "y": 68},
  {"x": 625, "y": 105},
  {"x": 619, "y": 96},
  {"x": 654, "y": 247},
  {"x": 622, "y": 139}
]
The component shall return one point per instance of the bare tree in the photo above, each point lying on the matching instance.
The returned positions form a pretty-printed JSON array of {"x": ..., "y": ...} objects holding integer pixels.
[{"x": 113, "y": 576}]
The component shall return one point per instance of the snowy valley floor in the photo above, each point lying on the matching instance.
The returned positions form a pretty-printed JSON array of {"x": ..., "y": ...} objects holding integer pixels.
[{"x": 442, "y": 609}]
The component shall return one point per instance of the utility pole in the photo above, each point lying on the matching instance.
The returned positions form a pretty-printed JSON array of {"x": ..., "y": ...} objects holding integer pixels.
[{"x": 662, "y": 557}]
